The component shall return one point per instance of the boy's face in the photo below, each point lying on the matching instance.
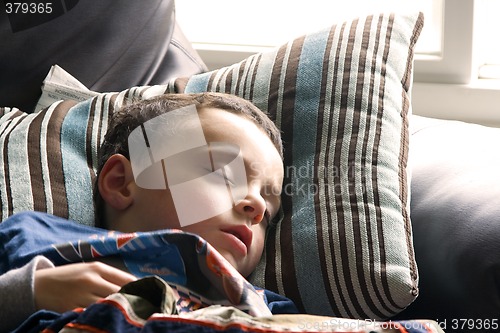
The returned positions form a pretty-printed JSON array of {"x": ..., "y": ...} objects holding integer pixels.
[{"x": 237, "y": 233}]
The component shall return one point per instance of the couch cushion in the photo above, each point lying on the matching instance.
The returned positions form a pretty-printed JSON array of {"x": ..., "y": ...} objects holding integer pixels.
[
  {"x": 109, "y": 45},
  {"x": 455, "y": 211},
  {"x": 341, "y": 99}
]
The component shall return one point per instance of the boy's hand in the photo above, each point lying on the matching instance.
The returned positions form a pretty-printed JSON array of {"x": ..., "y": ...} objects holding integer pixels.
[{"x": 71, "y": 286}]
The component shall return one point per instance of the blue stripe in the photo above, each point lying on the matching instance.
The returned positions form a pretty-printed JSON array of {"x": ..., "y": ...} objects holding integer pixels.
[
  {"x": 198, "y": 83},
  {"x": 73, "y": 147},
  {"x": 264, "y": 70},
  {"x": 309, "y": 74}
]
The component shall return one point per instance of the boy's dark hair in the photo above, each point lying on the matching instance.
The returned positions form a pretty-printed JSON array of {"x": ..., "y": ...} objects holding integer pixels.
[{"x": 125, "y": 120}]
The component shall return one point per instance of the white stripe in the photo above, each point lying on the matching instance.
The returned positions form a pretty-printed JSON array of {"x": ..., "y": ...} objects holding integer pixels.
[
  {"x": 19, "y": 172},
  {"x": 47, "y": 188},
  {"x": 5, "y": 128}
]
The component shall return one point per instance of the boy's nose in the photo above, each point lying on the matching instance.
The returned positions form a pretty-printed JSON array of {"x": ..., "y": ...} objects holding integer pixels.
[
  {"x": 255, "y": 218},
  {"x": 253, "y": 206}
]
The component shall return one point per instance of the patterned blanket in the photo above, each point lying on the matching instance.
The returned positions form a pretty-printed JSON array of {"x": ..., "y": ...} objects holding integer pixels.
[
  {"x": 184, "y": 284},
  {"x": 138, "y": 308},
  {"x": 199, "y": 275}
]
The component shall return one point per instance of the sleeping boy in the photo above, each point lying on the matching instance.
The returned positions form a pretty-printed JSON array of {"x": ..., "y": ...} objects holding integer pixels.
[{"x": 207, "y": 164}]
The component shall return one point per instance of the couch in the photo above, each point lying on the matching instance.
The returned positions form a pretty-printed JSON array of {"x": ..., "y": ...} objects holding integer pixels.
[
  {"x": 437, "y": 177},
  {"x": 455, "y": 213},
  {"x": 76, "y": 36}
]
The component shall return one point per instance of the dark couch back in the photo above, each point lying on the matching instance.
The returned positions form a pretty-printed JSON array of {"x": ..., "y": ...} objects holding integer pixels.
[{"x": 108, "y": 45}]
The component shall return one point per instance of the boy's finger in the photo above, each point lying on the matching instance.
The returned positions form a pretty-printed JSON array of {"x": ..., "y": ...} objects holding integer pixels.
[
  {"x": 103, "y": 288},
  {"x": 114, "y": 275}
]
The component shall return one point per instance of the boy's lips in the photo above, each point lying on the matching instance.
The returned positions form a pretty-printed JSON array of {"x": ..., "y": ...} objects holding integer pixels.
[{"x": 240, "y": 237}]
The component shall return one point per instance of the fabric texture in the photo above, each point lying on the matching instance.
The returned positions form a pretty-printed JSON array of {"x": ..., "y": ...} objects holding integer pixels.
[
  {"x": 146, "y": 306},
  {"x": 48, "y": 160},
  {"x": 341, "y": 99}
]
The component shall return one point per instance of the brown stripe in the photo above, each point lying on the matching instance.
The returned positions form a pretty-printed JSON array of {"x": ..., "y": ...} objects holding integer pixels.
[
  {"x": 180, "y": 84},
  {"x": 270, "y": 274},
  {"x": 240, "y": 78},
  {"x": 228, "y": 81},
  {"x": 255, "y": 63},
  {"x": 274, "y": 84},
  {"x": 35, "y": 162},
  {"x": 290, "y": 84},
  {"x": 246, "y": 81},
  {"x": 55, "y": 166},
  {"x": 211, "y": 80}
]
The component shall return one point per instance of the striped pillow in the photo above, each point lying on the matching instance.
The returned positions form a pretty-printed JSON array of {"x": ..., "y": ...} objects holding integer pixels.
[
  {"x": 341, "y": 98},
  {"x": 42, "y": 158},
  {"x": 48, "y": 159}
]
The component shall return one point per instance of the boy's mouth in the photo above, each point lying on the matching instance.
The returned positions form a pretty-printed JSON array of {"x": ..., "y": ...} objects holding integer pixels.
[{"x": 242, "y": 235}]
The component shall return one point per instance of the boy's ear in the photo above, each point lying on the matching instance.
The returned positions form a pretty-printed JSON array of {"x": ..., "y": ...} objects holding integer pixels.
[{"x": 114, "y": 182}]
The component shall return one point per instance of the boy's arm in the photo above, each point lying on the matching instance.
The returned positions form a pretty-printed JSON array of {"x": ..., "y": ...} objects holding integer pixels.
[
  {"x": 76, "y": 285},
  {"x": 17, "y": 290}
]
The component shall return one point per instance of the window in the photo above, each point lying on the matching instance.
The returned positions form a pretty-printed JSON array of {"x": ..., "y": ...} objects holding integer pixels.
[
  {"x": 251, "y": 26},
  {"x": 272, "y": 22},
  {"x": 457, "y": 62},
  {"x": 489, "y": 27}
]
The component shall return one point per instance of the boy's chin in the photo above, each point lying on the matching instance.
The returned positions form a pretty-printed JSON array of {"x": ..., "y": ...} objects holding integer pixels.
[
  {"x": 230, "y": 258},
  {"x": 235, "y": 262}
]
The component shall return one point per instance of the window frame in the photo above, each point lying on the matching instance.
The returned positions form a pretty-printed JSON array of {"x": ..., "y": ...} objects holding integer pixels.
[{"x": 455, "y": 64}]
